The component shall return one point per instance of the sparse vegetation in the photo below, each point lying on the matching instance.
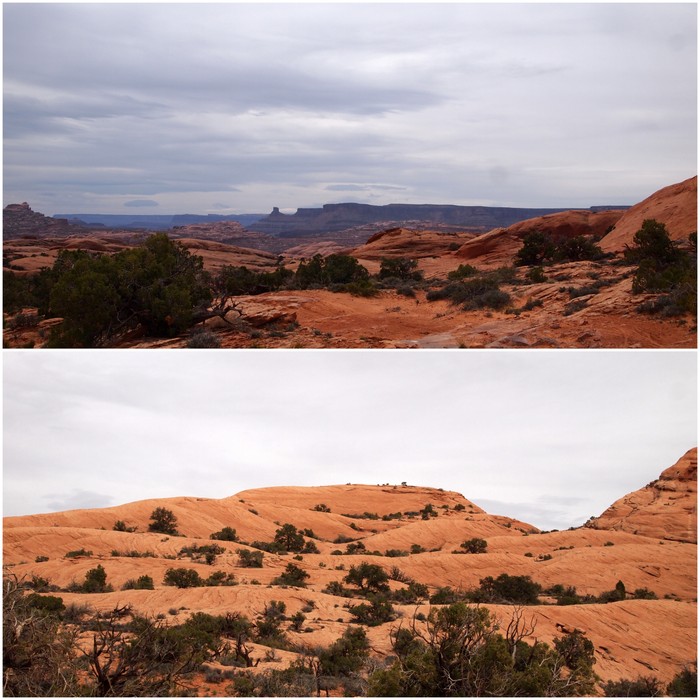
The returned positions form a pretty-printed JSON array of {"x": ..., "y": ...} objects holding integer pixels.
[
  {"x": 164, "y": 521},
  {"x": 249, "y": 559},
  {"x": 226, "y": 534}
]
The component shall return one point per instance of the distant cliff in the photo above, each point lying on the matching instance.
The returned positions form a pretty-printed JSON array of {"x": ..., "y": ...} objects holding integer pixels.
[{"x": 336, "y": 217}]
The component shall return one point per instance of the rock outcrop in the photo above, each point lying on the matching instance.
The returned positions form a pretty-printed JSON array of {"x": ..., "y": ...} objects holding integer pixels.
[
  {"x": 20, "y": 220},
  {"x": 676, "y": 206},
  {"x": 498, "y": 247},
  {"x": 665, "y": 509}
]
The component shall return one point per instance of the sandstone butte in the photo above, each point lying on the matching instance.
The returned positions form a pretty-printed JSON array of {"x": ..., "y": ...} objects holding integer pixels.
[
  {"x": 540, "y": 314},
  {"x": 647, "y": 539}
]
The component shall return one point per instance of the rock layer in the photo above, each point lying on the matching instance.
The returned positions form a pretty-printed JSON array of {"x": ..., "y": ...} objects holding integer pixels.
[{"x": 665, "y": 509}]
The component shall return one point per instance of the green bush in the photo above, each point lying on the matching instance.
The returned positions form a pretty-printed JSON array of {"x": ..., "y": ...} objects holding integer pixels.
[
  {"x": 369, "y": 578},
  {"x": 182, "y": 578},
  {"x": 96, "y": 581},
  {"x": 45, "y": 603},
  {"x": 399, "y": 268},
  {"x": 474, "y": 546},
  {"x": 163, "y": 521},
  {"x": 334, "y": 269},
  {"x": 517, "y": 590},
  {"x": 662, "y": 266},
  {"x": 462, "y": 271},
  {"x": 250, "y": 560},
  {"x": 226, "y": 534},
  {"x": 144, "y": 582},
  {"x": 293, "y": 575},
  {"x": 473, "y": 293},
  {"x": 82, "y": 552},
  {"x": 539, "y": 248},
  {"x": 461, "y": 653},
  {"x": 158, "y": 285},
  {"x": 378, "y": 611}
]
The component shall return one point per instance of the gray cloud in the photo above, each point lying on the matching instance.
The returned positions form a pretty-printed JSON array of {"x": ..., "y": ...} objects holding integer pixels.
[
  {"x": 261, "y": 105},
  {"x": 78, "y": 498},
  {"x": 141, "y": 203}
]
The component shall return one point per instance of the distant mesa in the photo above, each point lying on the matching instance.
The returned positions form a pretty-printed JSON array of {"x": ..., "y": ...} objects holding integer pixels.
[{"x": 337, "y": 217}]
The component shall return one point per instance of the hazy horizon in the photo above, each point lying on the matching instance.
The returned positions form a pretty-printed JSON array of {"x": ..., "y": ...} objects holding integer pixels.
[
  {"x": 550, "y": 438},
  {"x": 239, "y": 107}
]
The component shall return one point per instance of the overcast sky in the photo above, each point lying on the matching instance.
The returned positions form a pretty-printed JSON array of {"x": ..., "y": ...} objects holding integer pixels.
[
  {"x": 549, "y": 437},
  {"x": 232, "y": 108}
]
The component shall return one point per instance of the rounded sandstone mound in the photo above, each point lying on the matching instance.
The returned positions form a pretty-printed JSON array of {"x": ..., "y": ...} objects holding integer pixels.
[
  {"x": 666, "y": 508},
  {"x": 676, "y": 206}
]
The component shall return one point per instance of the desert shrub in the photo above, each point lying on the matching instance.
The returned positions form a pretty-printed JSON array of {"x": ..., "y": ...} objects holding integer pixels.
[
  {"x": 182, "y": 578},
  {"x": 573, "y": 306},
  {"x": 446, "y": 595},
  {"x": 360, "y": 288},
  {"x": 226, "y": 534},
  {"x": 144, "y": 582},
  {"x": 399, "y": 268},
  {"x": 336, "y": 588},
  {"x": 578, "y": 248},
  {"x": 619, "y": 593},
  {"x": 334, "y": 269},
  {"x": 539, "y": 248},
  {"x": 208, "y": 551},
  {"x": 322, "y": 508},
  {"x": 377, "y": 611},
  {"x": 310, "y": 547},
  {"x": 82, "y": 552},
  {"x": 462, "y": 271},
  {"x": 158, "y": 285},
  {"x": 293, "y": 575},
  {"x": 369, "y": 578},
  {"x": 536, "y": 274},
  {"x": 45, "y": 603},
  {"x": 462, "y": 653},
  {"x": 474, "y": 546},
  {"x": 38, "y": 652},
  {"x": 289, "y": 538},
  {"x": 41, "y": 558},
  {"x": 346, "y": 655},
  {"x": 518, "y": 590},
  {"x": 642, "y": 687},
  {"x": 644, "y": 594},
  {"x": 250, "y": 560},
  {"x": 411, "y": 594},
  {"x": 342, "y": 539},
  {"x": 121, "y": 526},
  {"x": 220, "y": 578},
  {"x": 95, "y": 581},
  {"x": 163, "y": 521},
  {"x": 297, "y": 621},
  {"x": 268, "y": 626},
  {"x": 473, "y": 293},
  {"x": 685, "y": 683},
  {"x": 406, "y": 291},
  {"x": 417, "y": 549},
  {"x": 203, "y": 338},
  {"x": 395, "y": 553}
]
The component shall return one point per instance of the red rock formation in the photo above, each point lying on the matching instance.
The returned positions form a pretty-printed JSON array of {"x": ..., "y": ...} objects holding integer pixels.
[
  {"x": 676, "y": 206},
  {"x": 498, "y": 247},
  {"x": 665, "y": 508}
]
